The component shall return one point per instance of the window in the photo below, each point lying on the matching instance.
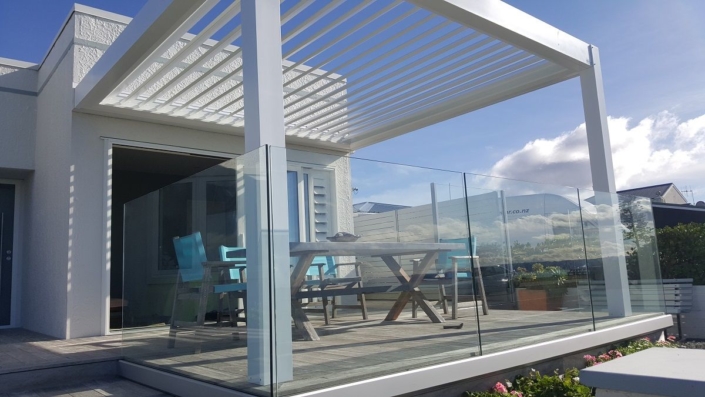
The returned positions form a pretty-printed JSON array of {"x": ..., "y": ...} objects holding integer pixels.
[
  {"x": 310, "y": 198},
  {"x": 199, "y": 203}
]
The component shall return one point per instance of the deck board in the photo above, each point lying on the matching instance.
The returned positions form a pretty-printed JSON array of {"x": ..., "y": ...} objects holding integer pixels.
[{"x": 350, "y": 349}]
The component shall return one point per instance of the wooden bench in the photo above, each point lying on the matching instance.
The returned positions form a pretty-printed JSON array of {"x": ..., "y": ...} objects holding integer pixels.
[{"x": 645, "y": 296}]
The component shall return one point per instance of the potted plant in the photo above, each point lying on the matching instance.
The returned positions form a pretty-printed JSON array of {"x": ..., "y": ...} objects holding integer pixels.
[{"x": 542, "y": 288}]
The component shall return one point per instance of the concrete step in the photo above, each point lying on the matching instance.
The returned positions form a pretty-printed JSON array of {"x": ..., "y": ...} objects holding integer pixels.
[{"x": 57, "y": 375}]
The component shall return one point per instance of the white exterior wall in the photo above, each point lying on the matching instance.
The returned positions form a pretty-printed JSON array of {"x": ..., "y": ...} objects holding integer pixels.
[
  {"x": 18, "y": 112},
  {"x": 47, "y": 243},
  {"x": 62, "y": 156},
  {"x": 88, "y": 264}
]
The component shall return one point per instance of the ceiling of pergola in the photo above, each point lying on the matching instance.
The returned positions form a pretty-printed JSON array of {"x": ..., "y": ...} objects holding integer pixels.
[{"x": 354, "y": 72}]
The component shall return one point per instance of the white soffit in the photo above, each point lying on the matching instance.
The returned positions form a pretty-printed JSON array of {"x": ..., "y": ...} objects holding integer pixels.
[{"x": 355, "y": 72}]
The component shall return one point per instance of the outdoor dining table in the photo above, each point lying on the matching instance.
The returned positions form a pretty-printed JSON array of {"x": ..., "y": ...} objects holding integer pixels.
[{"x": 408, "y": 284}]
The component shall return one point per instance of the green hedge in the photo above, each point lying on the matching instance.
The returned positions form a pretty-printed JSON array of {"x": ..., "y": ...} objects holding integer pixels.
[{"x": 682, "y": 252}]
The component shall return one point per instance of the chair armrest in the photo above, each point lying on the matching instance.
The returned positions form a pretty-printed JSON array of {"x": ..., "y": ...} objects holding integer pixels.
[
  {"x": 349, "y": 264},
  {"x": 221, "y": 264}
]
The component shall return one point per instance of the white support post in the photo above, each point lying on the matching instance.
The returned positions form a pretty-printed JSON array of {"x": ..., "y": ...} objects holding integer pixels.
[
  {"x": 611, "y": 239},
  {"x": 269, "y": 341}
]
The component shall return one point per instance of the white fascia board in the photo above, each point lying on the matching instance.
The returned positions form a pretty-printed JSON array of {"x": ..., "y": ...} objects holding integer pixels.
[
  {"x": 201, "y": 126},
  {"x": 154, "y": 24},
  {"x": 14, "y": 63},
  {"x": 513, "y": 26}
]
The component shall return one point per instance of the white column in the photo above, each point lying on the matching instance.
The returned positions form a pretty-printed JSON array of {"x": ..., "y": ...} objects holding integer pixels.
[
  {"x": 611, "y": 240},
  {"x": 266, "y": 212}
]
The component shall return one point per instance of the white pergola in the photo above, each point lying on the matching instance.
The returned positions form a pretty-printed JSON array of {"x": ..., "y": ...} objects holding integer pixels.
[{"x": 339, "y": 74}]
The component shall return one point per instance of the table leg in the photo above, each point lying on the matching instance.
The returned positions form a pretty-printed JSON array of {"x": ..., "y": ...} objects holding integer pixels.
[
  {"x": 301, "y": 321},
  {"x": 205, "y": 291},
  {"x": 413, "y": 292},
  {"x": 298, "y": 276}
]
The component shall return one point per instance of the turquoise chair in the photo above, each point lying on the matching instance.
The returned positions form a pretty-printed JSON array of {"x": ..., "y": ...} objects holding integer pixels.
[
  {"x": 194, "y": 283},
  {"x": 454, "y": 268},
  {"x": 237, "y": 255},
  {"x": 322, "y": 274},
  {"x": 237, "y": 274}
]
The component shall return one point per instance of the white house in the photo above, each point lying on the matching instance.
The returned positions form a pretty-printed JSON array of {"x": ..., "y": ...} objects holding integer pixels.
[{"x": 120, "y": 108}]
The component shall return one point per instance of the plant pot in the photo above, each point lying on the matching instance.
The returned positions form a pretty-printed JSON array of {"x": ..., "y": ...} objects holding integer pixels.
[{"x": 538, "y": 299}]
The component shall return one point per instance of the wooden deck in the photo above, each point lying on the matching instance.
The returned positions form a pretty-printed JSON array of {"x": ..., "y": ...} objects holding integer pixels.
[{"x": 351, "y": 349}]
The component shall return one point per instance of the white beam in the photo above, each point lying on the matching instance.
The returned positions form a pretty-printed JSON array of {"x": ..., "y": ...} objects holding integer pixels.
[
  {"x": 262, "y": 71},
  {"x": 269, "y": 339},
  {"x": 598, "y": 134},
  {"x": 154, "y": 25},
  {"x": 600, "y": 150},
  {"x": 514, "y": 27}
]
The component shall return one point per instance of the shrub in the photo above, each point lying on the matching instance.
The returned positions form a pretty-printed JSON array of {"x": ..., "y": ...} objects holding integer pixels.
[
  {"x": 693, "y": 345},
  {"x": 629, "y": 348},
  {"x": 537, "y": 385},
  {"x": 568, "y": 384},
  {"x": 549, "y": 278},
  {"x": 682, "y": 252}
]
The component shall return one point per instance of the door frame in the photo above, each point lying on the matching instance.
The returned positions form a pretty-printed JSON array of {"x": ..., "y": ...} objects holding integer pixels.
[
  {"x": 108, "y": 144},
  {"x": 17, "y": 254}
]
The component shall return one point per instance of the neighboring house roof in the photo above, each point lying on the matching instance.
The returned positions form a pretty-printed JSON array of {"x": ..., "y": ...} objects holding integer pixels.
[
  {"x": 370, "y": 207},
  {"x": 654, "y": 192}
]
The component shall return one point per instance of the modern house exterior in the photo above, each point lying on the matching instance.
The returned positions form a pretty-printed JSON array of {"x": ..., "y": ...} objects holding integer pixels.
[
  {"x": 135, "y": 133},
  {"x": 669, "y": 204}
]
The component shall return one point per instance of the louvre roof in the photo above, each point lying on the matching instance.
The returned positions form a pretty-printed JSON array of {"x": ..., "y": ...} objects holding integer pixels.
[{"x": 355, "y": 72}]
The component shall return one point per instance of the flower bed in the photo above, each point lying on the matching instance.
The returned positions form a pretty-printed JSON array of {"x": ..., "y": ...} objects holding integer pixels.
[
  {"x": 537, "y": 385},
  {"x": 568, "y": 384}
]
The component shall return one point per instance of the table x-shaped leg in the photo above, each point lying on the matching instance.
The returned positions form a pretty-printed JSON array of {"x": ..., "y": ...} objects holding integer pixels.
[
  {"x": 298, "y": 276},
  {"x": 412, "y": 292}
]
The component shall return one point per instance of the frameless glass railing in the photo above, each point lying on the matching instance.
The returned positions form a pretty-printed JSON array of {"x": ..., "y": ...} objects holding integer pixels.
[{"x": 285, "y": 272}]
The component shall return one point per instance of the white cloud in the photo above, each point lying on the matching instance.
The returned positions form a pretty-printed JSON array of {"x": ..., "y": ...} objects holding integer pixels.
[{"x": 657, "y": 149}]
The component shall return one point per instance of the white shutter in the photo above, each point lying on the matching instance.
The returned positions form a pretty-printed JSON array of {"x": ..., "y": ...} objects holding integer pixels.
[{"x": 321, "y": 209}]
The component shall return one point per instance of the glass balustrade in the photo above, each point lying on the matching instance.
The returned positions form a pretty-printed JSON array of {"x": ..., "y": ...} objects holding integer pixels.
[{"x": 282, "y": 272}]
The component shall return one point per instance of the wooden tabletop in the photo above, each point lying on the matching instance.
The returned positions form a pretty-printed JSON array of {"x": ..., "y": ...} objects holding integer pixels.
[{"x": 371, "y": 248}]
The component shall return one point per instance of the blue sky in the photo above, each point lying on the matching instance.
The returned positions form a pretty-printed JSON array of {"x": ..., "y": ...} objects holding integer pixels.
[{"x": 653, "y": 54}]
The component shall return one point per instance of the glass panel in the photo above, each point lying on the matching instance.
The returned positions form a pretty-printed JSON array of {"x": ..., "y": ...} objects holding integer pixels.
[
  {"x": 188, "y": 289},
  {"x": 620, "y": 239},
  {"x": 401, "y": 268},
  {"x": 221, "y": 217},
  {"x": 531, "y": 254},
  {"x": 175, "y": 219},
  {"x": 383, "y": 254}
]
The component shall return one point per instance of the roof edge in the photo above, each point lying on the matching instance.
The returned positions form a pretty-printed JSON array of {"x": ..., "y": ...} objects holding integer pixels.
[
  {"x": 516, "y": 27},
  {"x": 97, "y": 12},
  {"x": 16, "y": 63}
]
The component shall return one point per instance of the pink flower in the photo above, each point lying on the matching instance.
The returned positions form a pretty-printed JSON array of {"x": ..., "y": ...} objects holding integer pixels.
[
  {"x": 671, "y": 338},
  {"x": 516, "y": 393},
  {"x": 645, "y": 339},
  {"x": 604, "y": 357},
  {"x": 615, "y": 353},
  {"x": 589, "y": 358},
  {"x": 499, "y": 388}
]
